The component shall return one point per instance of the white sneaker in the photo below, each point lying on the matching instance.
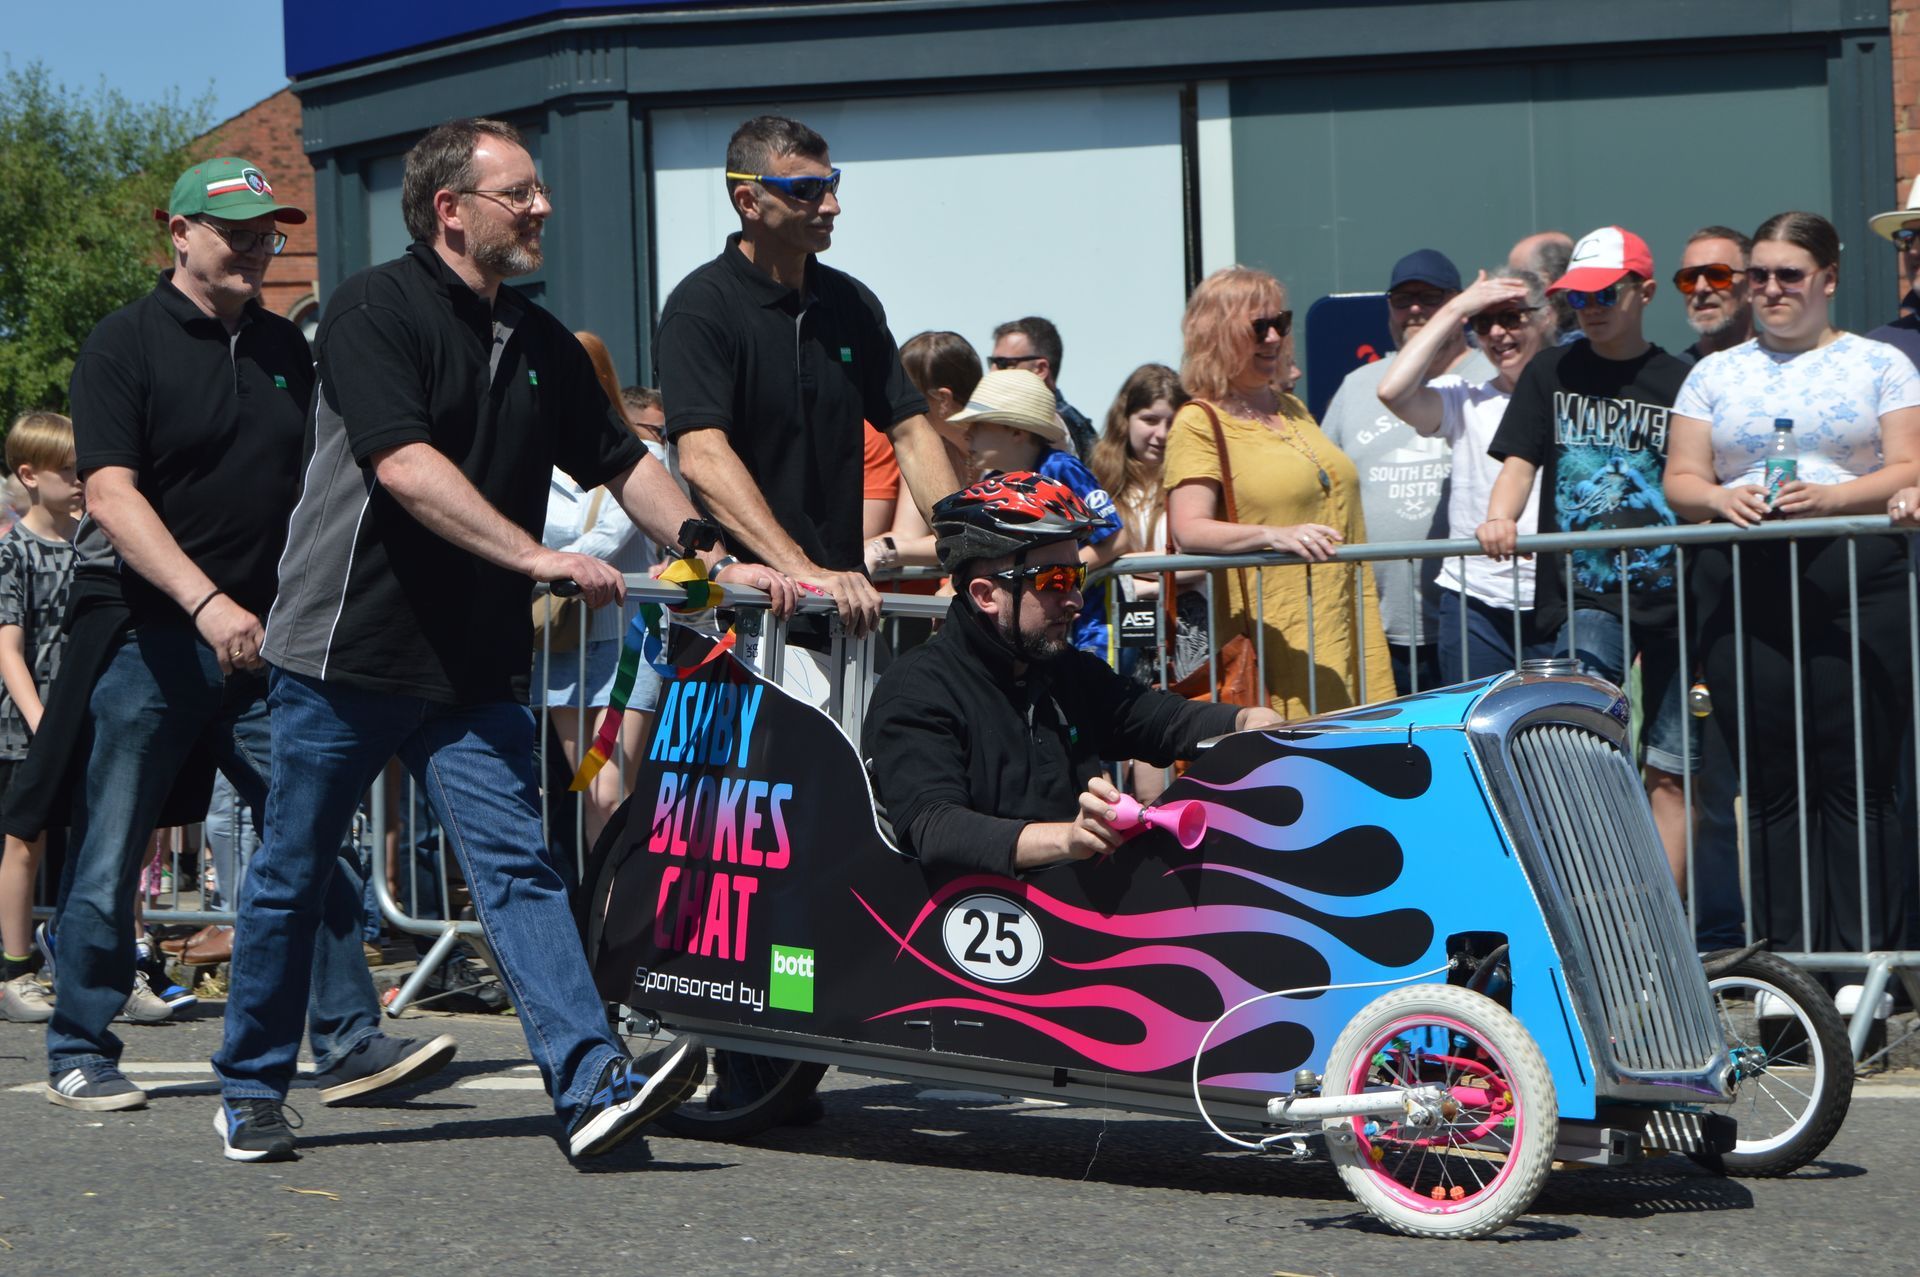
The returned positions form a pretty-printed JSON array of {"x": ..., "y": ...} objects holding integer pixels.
[
  {"x": 144, "y": 1006},
  {"x": 1847, "y": 1000},
  {"x": 23, "y": 1001}
]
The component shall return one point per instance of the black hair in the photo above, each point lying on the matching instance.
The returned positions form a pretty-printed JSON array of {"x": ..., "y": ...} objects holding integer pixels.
[
  {"x": 1041, "y": 332},
  {"x": 756, "y": 144}
]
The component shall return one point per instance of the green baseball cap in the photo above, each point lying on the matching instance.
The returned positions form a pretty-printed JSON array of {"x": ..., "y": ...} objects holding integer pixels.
[{"x": 229, "y": 188}]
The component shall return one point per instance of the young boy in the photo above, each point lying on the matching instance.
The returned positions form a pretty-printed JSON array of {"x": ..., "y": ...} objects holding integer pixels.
[
  {"x": 1011, "y": 425},
  {"x": 36, "y": 567},
  {"x": 1590, "y": 419}
]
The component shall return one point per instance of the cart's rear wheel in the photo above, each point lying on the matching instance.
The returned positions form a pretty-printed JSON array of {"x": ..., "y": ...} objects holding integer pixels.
[
  {"x": 1478, "y": 1162},
  {"x": 741, "y": 1096},
  {"x": 1793, "y": 1065}
]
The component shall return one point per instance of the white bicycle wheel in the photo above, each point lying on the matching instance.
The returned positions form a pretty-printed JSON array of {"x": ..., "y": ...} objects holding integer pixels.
[{"x": 1479, "y": 1167}]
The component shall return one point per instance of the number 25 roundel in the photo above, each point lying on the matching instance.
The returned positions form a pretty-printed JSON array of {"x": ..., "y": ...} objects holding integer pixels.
[{"x": 991, "y": 938}]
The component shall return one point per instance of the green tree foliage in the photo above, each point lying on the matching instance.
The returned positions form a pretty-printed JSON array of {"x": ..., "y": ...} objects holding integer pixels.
[{"x": 80, "y": 176}]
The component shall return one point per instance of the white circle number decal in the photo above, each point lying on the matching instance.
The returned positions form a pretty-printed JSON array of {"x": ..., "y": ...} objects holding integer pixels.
[{"x": 992, "y": 938}]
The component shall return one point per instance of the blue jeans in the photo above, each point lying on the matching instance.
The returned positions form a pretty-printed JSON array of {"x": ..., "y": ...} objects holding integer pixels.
[
  {"x": 232, "y": 838},
  {"x": 1410, "y": 659},
  {"x": 1598, "y": 639},
  {"x": 476, "y": 763},
  {"x": 1488, "y": 643},
  {"x": 160, "y": 693}
]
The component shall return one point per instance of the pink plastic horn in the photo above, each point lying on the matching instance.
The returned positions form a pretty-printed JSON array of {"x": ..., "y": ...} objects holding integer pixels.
[{"x": 1186, "y": 820}]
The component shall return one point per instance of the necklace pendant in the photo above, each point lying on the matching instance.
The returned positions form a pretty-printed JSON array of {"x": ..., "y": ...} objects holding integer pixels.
[{"x": 1326, "y": 481}]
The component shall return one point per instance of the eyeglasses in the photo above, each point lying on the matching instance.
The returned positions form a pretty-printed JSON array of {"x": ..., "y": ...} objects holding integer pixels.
[
  {"x": 807, "y": 190},
  {"x": 1000, "y": 363},
  {"x": 1601, "y": 297},
  {"x": 1718, "y": 277},
  {"x": 1281, "y": 323},
  {"x": 245, "y": 241},
  {"x": 519, "y": 198},
  {"x": 1905, "y": 236},
  {"x": 1789, "y": 276},
  {"x": 1511, "y": 320},
  {"x": 1058, "y": 578},
  {"x": 1430, "y": 299}
]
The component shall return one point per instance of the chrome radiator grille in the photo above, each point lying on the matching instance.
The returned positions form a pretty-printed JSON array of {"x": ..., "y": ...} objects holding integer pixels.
[{"x": 1600, "y": 850}]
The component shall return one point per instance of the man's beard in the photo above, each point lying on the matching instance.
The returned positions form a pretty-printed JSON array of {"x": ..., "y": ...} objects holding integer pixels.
[
  {"x": 504, "y": 255},
  {"x": 1036, "y": 647},
  {"x": 1712, "y": 328}
]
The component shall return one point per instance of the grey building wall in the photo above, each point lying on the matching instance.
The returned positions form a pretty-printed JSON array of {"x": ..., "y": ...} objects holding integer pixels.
[{"x": 1707, "y": 110}]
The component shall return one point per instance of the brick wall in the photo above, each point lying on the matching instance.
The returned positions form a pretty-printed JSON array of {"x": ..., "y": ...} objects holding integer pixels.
[
  {"x": 1906, "y": 101},
  {"x": 1906, "y": 93},
  {"x": 268, "y": 134}
]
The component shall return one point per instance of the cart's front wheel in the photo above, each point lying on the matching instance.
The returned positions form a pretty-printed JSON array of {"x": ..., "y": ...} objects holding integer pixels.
[
  {"x": 1469, "y": 1164},
  {"x": 1792, "y": 1065}
]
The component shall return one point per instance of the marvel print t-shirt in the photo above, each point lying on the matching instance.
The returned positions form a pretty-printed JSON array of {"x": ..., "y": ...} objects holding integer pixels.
[{"x": 1597, "y": 428}]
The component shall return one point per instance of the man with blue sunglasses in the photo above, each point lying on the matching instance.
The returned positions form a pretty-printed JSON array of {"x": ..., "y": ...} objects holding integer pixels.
[
  {"x": 1590, "y": 421},
  {"x": 769, "y": 362}
]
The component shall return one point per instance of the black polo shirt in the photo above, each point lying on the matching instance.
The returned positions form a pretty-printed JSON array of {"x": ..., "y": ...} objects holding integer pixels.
[
  {"x": 211, "y": 422},
  {"x": 790, "y": 377},
  {"x": 408, "y": 353}
]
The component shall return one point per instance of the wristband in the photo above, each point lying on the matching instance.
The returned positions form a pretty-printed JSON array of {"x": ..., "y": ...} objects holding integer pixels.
[
  {"x": 201, "y": 606},
  {"x": 720, "y": 565}
]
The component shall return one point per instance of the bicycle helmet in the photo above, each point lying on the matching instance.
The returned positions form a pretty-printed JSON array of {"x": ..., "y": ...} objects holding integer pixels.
[{"x": 1007, "y": 514}]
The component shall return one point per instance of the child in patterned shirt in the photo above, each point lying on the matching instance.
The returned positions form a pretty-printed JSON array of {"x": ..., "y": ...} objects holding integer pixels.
[{"x": 36, "y": 568}]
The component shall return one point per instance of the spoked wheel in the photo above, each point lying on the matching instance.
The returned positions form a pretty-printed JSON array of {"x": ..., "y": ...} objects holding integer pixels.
[
  {"x": 741, "y": 1096},
  {"x": 1468, "y": 1165},
  {"x": 1792, "y": 1065}
]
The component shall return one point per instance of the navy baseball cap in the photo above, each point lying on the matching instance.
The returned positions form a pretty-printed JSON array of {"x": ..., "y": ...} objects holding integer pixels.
[{"x": 1426, "y": 266}]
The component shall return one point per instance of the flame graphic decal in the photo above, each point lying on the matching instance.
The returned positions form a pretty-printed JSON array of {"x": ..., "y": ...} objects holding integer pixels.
[{"x": 1319, "y": 910}]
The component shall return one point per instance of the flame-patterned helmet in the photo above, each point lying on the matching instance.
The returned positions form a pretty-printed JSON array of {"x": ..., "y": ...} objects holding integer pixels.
[{"x": 1006, "y": 514}]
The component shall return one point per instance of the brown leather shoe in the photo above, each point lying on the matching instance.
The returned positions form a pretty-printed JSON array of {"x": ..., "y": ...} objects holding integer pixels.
[{"x": 208, "y": 947}]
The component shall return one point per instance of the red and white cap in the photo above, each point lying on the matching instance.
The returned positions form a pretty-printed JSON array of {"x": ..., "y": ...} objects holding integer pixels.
[{"x": 1602, "y": 257}]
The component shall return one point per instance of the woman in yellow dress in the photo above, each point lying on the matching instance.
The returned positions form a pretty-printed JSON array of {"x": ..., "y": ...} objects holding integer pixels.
[{"x": 1293, "y": 491}]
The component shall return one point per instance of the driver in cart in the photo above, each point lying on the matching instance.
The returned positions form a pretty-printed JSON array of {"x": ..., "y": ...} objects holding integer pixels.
[{"x": 984, "y": 743}]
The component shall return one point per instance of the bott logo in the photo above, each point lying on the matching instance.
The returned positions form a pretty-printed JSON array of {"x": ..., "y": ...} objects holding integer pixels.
[{"x": 790, "y": 986}]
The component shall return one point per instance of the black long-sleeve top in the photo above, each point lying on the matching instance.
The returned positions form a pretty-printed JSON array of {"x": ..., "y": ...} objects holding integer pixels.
[{"x": 965, "y": 752}]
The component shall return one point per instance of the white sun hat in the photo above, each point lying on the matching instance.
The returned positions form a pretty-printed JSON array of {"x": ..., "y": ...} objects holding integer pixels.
[
  {"x": 1885, "y": 224},
  {"x": 1015, "y": 397}
]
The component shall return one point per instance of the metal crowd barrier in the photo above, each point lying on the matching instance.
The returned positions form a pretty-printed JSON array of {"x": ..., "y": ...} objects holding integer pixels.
[
  {"x": 857, "y": 665},
  {"x": 1876, "y": 968}
]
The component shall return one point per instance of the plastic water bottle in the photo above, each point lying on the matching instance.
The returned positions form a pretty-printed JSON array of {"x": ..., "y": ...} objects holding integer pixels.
[{"x": 1783, "y": 464}]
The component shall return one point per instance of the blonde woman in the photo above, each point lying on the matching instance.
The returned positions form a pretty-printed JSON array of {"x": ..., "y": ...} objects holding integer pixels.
[{"x": 1294, "y": 492}]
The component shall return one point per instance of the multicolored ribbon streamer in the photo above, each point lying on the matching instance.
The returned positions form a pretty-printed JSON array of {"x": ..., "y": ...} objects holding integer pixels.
[{"x": 646, "y": 640}]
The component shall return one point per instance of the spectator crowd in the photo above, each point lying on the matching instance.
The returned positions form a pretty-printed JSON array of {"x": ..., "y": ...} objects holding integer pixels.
[{"x": 303, "y": 570}]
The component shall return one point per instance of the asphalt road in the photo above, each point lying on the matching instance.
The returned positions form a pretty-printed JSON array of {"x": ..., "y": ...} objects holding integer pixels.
[{"x": 465, "y": 1176}]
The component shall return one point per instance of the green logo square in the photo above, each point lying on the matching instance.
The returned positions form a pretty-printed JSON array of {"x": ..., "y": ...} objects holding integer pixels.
[
  {"x": 790, "y": 983},
  {"x": 846, "y": 354},
  {"x": 279, "y": 381}
]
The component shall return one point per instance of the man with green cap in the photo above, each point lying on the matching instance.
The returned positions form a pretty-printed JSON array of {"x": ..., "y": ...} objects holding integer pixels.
[{"x": 189, "y": 411}]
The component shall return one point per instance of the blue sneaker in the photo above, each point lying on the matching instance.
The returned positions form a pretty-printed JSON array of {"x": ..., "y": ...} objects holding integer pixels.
[
  {"x": 626, "y": 1099},
  {"x": 164, "y": 986},
  {"x": 256, "y": 1130}
]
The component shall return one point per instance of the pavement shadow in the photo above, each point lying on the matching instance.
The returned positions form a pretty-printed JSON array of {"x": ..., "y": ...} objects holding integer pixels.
[
  {"x": 634, "y": 1155},
  {"x": 1524, "y": 1229},
  {"x": 888, "y": 1124},
  {"x": 1670, "y": 1186}
]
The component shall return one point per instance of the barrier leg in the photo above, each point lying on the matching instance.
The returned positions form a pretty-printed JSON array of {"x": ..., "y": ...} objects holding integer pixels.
[
  {"x": 427, "y": 965},
  {"x": 1871, "y": 989}
]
